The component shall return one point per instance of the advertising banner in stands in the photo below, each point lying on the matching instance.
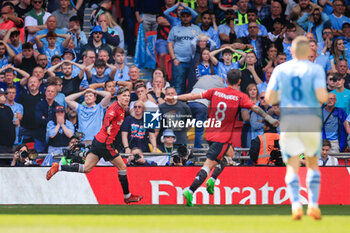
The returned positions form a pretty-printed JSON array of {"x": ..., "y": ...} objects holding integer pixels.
[{"x": 165, "y": 185}]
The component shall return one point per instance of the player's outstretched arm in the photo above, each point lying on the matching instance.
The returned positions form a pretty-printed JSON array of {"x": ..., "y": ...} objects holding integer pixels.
[
  {"x": 321, "y": 94},
  {"x": 184, "y": 97},
  {"x": 263, "y": 114}
]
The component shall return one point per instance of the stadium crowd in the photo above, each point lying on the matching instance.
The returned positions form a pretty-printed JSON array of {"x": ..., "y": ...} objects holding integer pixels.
[{"x": 57, "y": 82}]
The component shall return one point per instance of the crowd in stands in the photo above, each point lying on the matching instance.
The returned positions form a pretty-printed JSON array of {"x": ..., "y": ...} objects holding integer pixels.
[{"x": 58, "y": 80}]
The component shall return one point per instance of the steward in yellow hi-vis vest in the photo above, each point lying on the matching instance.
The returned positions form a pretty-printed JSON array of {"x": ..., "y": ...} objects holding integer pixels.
[
  {"x": 190, "y": 3},
  {"x": 262, "y": 145}
]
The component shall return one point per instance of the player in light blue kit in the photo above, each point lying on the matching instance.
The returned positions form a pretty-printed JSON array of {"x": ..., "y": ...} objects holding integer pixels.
[{"x": 300, "y": 87}]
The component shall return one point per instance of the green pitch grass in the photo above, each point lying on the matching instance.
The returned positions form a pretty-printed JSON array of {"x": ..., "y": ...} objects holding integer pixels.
[{"x": 177, "y": 219}]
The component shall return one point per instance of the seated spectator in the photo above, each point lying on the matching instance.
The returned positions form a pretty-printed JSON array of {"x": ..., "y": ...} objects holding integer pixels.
[
  {"x": 122, "y": 73},
  {"x": 100, "y": 76},
  {"x": 78, "y": 37},
  {"x": 228, "y": 31},
  {"x": 346, "y": 39},
  {"x": 301, "y": 8},
  {"x": 178, "y": 7},
  {"x": 52, "y": 49},
  {"x": 7, "y": 128},
  {"x": 35, "y": 19},
  {"x": 113, "y": 28},
  {"x": 29, "y": 99},
  {"x": 109, "y": 86},
  {"x": 44, "y": 112},
  {"x": 134, "y": 75},
  {"x": 136, "y": 158},
  {"x": 104, "y": 6},
  {"x": 147, "y": 99},
  {"x": 17, "y": 109},
  {"x": 15, "y": 43},
  {"x": 277, "y": 30},
  {"x": 343, "y": 100},
  {"x": 167, "y": 141},
  {"x": 227, "y": 64},
  {"x": 58, "y": 132},
  {"x": 70, "y": 84},
  {"x": 325, "y": 45},
  {"x": 256, "y": 121},
  {"x": 333, "y": 124},
  {"x": 262, "y": 145},
  {"x": 10, "y": 20},
  {"x": 157, "y": 90},
  {"x": 39, "y": 73},
  {"x": 208, "y": 27},
  {"x": 319, "y": 20},
  {"x": 133, "y": 132},
  {"x": 330, "y": 82},
  {"x": 325, "y": 159},
  {"x": 42, "y": 61},
  {"x": 6, "y": 54},
  {"x": 72, "y": 116},
  {"x": 262, "y": 86},
  {"x": 90, "y": 115},
  {"x": 337, "y": 53},
  {"x": 252, "y": 16},
  {"x": 63, "y": 14},
  {"x": 343, "y": 69},
  {"x": 170, "y": 109},
  {"x": 338, "y": 18},
  {"x": 252, "y": 73}
]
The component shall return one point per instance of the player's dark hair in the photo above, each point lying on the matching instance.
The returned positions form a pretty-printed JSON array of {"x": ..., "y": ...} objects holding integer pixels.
[
  {"x": 233, "y": 76},
  {"x": 122, "y": 90}
]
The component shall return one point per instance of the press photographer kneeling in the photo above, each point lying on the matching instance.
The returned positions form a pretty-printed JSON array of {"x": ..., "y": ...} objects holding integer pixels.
[
  {"x": 136, "y": 158},
  {"x": 24, "y": 157}
]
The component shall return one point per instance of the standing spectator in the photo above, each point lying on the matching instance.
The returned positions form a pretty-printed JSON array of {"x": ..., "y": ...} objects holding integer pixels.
[
  {"x": 72, "y": 116},
  {"x": 90, "y": 116},
  {"x": 10, "y": 20},
  {"x": 199, "y": 107},
  {"x": 100, "y": 76},
  {"x": 129, "y": 20},
  {"x": 241, "y": 12},
  {"x": 110, "y": 35},
  {"x": 113, "y": 28},
  {"x": 7, "y": 128},
  {"x": 63, "y": 14},
  {"x": 262, "y": 86},
  {"x": 320, "y": 59},
  {"x": 174, "y": 19},
  {"x": 133, "y": 132},
  {"x": 338, "y": 18},
  {"x": 147, "y": 99},
  {"x": 149, "y": 10},
  {"x": 26, "y": 60},
  {"x": 319, "y": 21},
  {"x": 284, "y": 44},
  {"x": 17, "y": 109},
  {"x": 104, "y": 6},
  {"x": 6, "y": 54},
  {"x": 204, "y": 65},
  {"x": 271, "y": 57},
  {"x": 253, "y": 73},
  {"x": 263, "y": 9},
  {"x": 346, "y": 39},
  {"x": 325, "y": 159},
  {"x": 343, "y": 100},
  {"x": 122, "y": 73},
  {"x": 44, "y": 112},
  {"x": 276, "y": 13},
  {"x": 22, "y": 8},
  {"x": 35, "y": 19},
  {"x": 56, "y": 81},
  {"x": 173, "y": 108},
  {"x": 29, "y": 99},
  {"x": 256, "y": 121},
  {"x": 333, "y": 124},
  {"x": 325, "y": 45},
  {"x": 10, "y": 77},
  {"x": 337, "y": 52},
  {"x": 157, "y": 90},
  {"x": 70, "y": 84},
  {"x": 208, "y": 26},
  {"x": 179, "y": 46},
  {"x": 303, "y": 6},
  {"x": 202, "y": 6},
  {"x": 330, "y": 82},
  {"x": 58, "y": 131},
  {"x": 78, "y": 37},
  {"x": 277, "y": 31}
]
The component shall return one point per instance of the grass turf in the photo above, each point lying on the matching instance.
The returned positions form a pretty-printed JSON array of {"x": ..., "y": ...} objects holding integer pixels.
[{"x": 152, "y": 218}]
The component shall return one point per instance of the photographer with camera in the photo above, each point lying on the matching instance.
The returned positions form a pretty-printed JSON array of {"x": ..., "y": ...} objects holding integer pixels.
[
  {"x": 181, "y": 157},
  {"x": 76, "y": 152},
  {"x": 136, "y": 158},
  {"x": 262, "y": 146},
  {"x": 24, "y": 157}
]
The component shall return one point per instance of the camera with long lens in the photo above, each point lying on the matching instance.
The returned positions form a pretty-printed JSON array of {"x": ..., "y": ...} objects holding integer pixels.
[
  {"x": 137, "y": 156},
  {"x": 77, "y": 154},
  {"x": 24, "y": 154},
  {"x": 181, "y": 155},
  {"x": 276, "y": 156}
]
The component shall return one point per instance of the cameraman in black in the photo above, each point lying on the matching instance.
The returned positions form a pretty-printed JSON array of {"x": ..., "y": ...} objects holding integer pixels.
[
  {"x": 136, "y": 158},
  {"x": 75, "y": 153},
  {"x": 23, "y": 156},
  {"x": 181, "y": 157},
  {"x": 264, "y": 148}
]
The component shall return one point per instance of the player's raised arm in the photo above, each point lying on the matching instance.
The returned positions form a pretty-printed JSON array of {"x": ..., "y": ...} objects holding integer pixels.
[{"x": 184, "y": 97}]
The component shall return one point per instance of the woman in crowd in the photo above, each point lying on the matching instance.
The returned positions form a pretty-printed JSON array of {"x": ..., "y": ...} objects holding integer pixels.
[
  {"x": 58, "y": 131},
  {"x": 337, "y": 53},
  {"x": 271, "y": 57},
  {"x": 134, "y": 133},
  {"x": 204, "y": 65}
]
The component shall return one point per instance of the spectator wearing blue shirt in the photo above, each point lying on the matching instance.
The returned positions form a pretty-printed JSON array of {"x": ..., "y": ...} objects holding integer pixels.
[
  {"x": 58, "y": 82},
  {"x": 13, "y": 35},
  {"x": 252, "y": 15},
  {"x": 205, "y": 66},
  {"x": 10, "y": 77},
  {"x": 342, "y": 94},
  {"x": 6, "y": 54},
  {"x": 207, "y": 28},
  {"x": 78, "y": 37},
  {"x": 262, "y": 86},
  {"x": 178, "y": 7},
  {"x": 256, "y": 121},
  {"x": 319, "y": 21},
  {"x": 179, "y": 46},
  {"x": 284, "y": 44},
  {"x": 90, "y": 115},
  {"x": 346, "y": 39},
  {"x": 227, "y": 64},
  {"x": 100, "y": 76},
  {"x": 16, "y": 108},
  {"x": 52, "y": 49},
  {"x": 122, "y": 73},
  {"x": 228, "y": 31},
  {"x": 338, "y": 18},
  {"x": 320, "y": 58}
]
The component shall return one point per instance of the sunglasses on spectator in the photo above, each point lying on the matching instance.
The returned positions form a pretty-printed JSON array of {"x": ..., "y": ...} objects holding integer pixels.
[
  {"x": 37, "y": 2},
  {"x": 136, "y": 106}
]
